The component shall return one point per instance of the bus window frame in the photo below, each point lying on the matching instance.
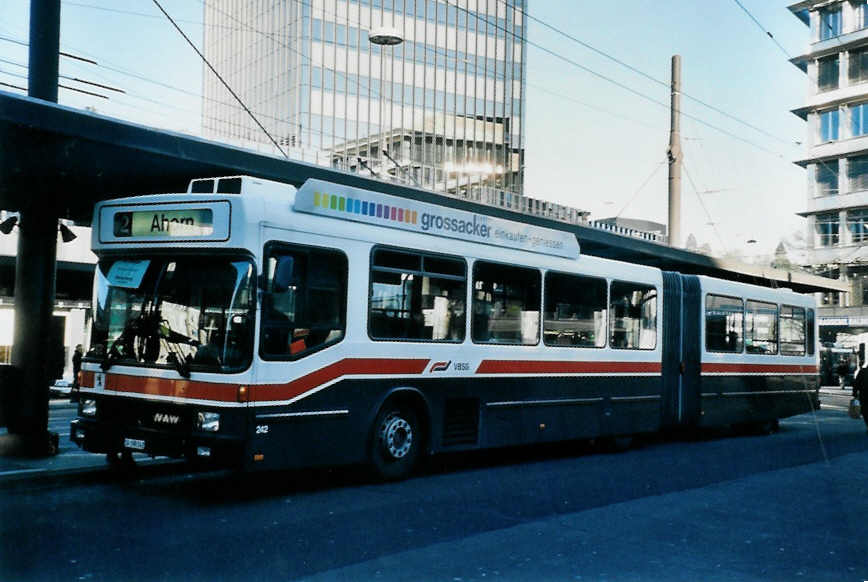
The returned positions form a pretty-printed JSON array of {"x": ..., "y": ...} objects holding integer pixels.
[
  {"x": 658, "y": 300},
  {"x": 421, "y": 254},
  {"x": 804, "y": 344},
  {"x": 267, "y": 251},
  {"x": 606, "y": 307},
  {"x": 539, "y": 271},
  {"x": 777, "y": 321},
  {"x": 705, "y": 323}
]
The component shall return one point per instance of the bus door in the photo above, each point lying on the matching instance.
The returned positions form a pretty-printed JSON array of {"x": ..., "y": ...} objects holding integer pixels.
[{"x": 682, "y": 299}]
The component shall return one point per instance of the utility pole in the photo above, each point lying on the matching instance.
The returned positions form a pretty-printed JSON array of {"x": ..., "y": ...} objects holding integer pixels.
[{"x": 675, "y": 155}]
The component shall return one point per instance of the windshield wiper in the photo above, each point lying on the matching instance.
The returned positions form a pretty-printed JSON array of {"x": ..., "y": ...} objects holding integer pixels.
[
  {"x": 175, "y": 357},
  {"x": 139, "y": 326}
]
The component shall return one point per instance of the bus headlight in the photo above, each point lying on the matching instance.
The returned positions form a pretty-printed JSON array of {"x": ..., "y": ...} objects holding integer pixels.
[
  {"x": 88, "y": 407},
  {"x": 208, "y": 421}
]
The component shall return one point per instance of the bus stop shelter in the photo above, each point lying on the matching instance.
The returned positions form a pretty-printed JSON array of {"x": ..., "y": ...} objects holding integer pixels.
[{"x": 57, "y": 162}]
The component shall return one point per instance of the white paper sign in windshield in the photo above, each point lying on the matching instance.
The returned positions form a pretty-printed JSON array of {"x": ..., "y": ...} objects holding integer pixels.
[
  {"x": 128, "y": 274},
  {"x": 347, "y": 203}
]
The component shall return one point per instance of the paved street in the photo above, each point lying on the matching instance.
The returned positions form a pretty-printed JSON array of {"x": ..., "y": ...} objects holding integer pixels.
[{"x": 726, "y": 507}]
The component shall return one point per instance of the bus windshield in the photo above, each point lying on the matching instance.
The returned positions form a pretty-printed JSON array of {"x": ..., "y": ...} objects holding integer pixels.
[{"x": 181, "y": 312}]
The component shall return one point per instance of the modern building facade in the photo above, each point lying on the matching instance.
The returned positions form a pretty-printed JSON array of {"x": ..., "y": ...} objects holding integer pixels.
[
  {"x": 836, "y": 110},
  {"x": 443, "y": 108}
]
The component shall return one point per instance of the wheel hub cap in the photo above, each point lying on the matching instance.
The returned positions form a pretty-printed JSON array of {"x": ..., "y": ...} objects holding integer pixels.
[{"x": 396, "y": 436}]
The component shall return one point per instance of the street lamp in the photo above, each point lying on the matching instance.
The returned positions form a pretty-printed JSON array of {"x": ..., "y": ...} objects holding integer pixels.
[{"x": 384, "y": 36}]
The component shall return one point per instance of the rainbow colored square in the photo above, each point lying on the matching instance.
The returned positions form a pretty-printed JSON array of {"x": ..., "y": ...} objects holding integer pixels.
[{"x": 368, "y": 208}]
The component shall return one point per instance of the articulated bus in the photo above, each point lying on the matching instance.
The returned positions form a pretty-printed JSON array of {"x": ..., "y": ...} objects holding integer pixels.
[{"x": 256, "y": 325}]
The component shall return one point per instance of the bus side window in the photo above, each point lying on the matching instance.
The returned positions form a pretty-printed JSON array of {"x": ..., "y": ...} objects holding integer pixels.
[
  {"x": 792, "y": 330},
  {"x": 304, "y": 307},
  {"x": 506, "y": 304},
  {"x": 416, "y": 296},
  {"x": 724, "y": 324},
  {"x": 633, "y": 321},
  {"x": 761, "y": 327}
]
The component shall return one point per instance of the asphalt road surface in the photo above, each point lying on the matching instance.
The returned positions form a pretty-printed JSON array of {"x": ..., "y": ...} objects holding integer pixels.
[{"x": 789, "y": 506}]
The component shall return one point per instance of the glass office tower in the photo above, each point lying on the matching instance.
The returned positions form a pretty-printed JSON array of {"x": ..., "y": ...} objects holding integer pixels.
[{"x": 442, "y": 109}]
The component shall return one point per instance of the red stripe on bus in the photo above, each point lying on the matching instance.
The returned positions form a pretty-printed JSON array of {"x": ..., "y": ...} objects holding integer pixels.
[
  {"x": 346, "y": 367},
  {"x": 168, "y": 387},
  {"x": 560, "y": 367},
  {"x": 229, "y": 392},
  {"x": 758, "y": 368}
]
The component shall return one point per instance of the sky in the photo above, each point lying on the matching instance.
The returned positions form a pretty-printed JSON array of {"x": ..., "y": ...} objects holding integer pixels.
[{"x": 590, "y": 143}]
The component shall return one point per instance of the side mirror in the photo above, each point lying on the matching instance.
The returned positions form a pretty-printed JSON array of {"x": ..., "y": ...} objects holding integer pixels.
[{"x": 283, "y": 272}]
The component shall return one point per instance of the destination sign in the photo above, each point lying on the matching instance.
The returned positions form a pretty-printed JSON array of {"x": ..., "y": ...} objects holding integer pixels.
[
  {"x": 348, "y": 203},
  {"x": 190, "y": 222},
  {"x": 164, "y": 222}
]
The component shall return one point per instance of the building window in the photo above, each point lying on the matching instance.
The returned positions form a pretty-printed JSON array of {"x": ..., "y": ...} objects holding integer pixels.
[
  {"x": 826, "y": 178},
  {"x": 633, "y": 323},
  {"x": 830, "y": 22},
  {"x": 724, "y": 324},
  {"x": 761, "y": 328},
  {"x": 860, "y": 7},
  {"x": 575, "y": 311},
  {"x": 857, "y": 224},
  {"x": 859, "y": 66},
  {"x": 829, "y": 125},
  {"x": 827, "y": 229},
  {"x": 859, "y": 119},
  {"x": 506, "y": 304},
  {"x": 417, "y": 297},
  {"x": 858, "y": 276},
  {"x": 827, "y": 73},
  {"x": 830, "y": 298},
  {"x": 857, "y": 173}
]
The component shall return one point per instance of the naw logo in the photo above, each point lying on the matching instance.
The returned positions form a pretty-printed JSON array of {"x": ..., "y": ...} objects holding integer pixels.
[
  {"x": 440, "y": 366},
  {"x": 162, "y": 417}
]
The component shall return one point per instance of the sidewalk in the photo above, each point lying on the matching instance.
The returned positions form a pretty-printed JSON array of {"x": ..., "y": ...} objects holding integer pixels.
[{"x": 70, "y": 461}]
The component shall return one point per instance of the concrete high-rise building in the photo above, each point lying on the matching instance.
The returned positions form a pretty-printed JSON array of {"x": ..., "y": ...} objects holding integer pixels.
[
  {"x": 836, "y": 109},
  {"x": 446, "y": 103}
]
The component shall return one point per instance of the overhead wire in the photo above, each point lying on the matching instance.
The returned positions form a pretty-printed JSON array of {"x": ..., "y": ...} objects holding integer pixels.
[
  {"x": 225, "y": 84},
  {"x": 763, "y": 28},
  {"x": 789, "y": 57},
  {"x": 642, "y": 186},
  {"x": 166, "y": 104},
  {"x": 702, "y": 204},
  {"x": 647, "y": 76},
  {"x": 625, "y": 87}
]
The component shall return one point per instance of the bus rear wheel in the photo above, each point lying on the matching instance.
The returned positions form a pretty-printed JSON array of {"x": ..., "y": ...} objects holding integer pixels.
[{"x": 396, "y": 442}]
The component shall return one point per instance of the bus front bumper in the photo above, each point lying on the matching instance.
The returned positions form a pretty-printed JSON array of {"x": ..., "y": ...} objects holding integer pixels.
[{"x": 98, "y": 437}]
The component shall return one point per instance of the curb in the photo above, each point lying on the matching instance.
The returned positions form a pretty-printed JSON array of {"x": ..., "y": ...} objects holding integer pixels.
[{"x": 76, "y": 475}]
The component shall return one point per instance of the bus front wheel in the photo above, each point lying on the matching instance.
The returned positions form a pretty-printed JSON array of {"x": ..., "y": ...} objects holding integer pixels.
[{"x": 396, "y": 441}]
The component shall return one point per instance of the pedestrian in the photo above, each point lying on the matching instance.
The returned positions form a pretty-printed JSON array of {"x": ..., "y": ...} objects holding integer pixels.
[
  {"x": 76, "y": 368},
  {"x": 842, "y": 369}
]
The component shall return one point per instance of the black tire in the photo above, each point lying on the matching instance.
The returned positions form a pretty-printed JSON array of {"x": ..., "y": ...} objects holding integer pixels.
[{"x": 396, "y": 442}]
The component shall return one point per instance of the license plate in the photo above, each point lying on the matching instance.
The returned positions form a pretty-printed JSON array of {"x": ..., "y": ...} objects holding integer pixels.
[{"x": 136, "y": 444}]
